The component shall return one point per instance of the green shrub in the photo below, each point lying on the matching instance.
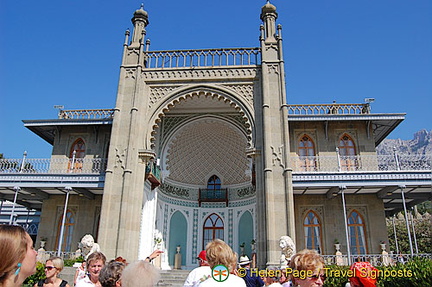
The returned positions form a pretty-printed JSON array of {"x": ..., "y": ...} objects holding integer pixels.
[
  {"x": 71, "y": 262},
  {"x": 416, "y": 273},
  {"x": 39, "y": 275}
]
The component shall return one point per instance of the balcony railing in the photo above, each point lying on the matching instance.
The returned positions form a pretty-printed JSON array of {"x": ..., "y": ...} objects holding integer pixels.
[
  {"x": 374, "y": 259},
  {"x": 53, "y": 165},
  {"x": 329, "y": 109},
  {"x": 356, "y": 163},
  {"x": 325, "y": 163},
  {"x": 203, "y": 58},
  {"x": 86, "y": 114},
  {"x": 213, "y": 195}
]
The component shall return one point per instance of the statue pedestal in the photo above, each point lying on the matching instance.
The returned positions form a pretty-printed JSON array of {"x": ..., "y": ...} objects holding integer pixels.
[{"x": 177, "y": 261}]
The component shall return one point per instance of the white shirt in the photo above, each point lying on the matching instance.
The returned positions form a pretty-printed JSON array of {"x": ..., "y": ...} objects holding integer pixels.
[
  {"x": 232, "y": 281},
  {"x": 197, "y": 276},
  {"x": 85, "y": 282}
]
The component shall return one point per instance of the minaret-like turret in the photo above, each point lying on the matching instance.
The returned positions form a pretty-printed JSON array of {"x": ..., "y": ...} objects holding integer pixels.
[
  {"x": 140, "y": 22},
  {"x": 269, "y": 16},
  {"x": 275, "y": 173}
]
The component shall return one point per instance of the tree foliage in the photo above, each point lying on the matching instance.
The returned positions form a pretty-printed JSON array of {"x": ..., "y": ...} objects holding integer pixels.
[{"x": 422, "y": 234}]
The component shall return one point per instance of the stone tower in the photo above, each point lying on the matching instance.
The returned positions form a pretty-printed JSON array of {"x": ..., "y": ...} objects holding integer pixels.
[{"x": 232, "y": 98}]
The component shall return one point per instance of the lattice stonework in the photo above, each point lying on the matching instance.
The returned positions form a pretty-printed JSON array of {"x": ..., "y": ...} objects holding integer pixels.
[
  {"x": 230, "y": 227},
  {"x": 195, "y": 234},
  {"x": 158, "y": 92},
  {"x": 205, "y": 148},
  {"x": 244, "y": 90}
]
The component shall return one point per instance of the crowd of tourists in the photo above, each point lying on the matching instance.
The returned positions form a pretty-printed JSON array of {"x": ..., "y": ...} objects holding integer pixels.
[{"x": 218, "y": 266}]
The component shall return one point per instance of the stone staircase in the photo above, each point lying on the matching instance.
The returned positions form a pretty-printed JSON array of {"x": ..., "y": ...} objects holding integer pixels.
[{"x": 172, "y": 278}]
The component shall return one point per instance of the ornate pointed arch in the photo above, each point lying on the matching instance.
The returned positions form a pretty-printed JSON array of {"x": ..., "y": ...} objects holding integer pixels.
[{"x": 219, "y": 95}]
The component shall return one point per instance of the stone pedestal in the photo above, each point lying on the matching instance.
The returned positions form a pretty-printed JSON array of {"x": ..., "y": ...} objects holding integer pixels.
[{"x": 177, "y": 261}]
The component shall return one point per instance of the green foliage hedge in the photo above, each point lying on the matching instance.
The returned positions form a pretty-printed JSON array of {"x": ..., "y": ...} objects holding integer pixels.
[{"x": 415, "y": 273}]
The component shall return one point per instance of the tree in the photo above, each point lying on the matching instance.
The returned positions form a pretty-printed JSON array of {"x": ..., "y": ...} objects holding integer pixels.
[{"x": 423, "y": 233}]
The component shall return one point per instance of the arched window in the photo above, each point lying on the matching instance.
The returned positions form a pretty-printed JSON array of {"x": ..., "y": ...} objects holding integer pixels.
[
  {"x": 357, "y": 234},
  {"x": 214, "y": 183},
  {"x": 213, "y": 228},
  {"x": 68, "y": 231},
  {"x": 306, "y": 152},
  {"x": 76, "y": 155},
  {"x": 347, "y": 152},
  {"x": 312, "y": 231}
]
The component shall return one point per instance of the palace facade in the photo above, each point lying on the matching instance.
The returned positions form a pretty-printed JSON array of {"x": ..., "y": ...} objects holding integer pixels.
[{"x": 202, "y": 144}]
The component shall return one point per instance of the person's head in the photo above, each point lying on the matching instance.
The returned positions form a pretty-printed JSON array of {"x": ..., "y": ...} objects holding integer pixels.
[
  {"x": 244, "y": 261},
  {"x": 140, "y": 273},
  {"x": 95, "y": 263},
  {"x": 309, "y": 265},
  {"x": 283, "y": 278},
  {"x": 53, "y": 266},
  {"x": 18, "y": 257},
  {"x": 365, "y": 275},
  {"x": 219, "y": 253},
  {"x": 110, "y": 275},
  {"x": 202, "y": 260},
  {"x": 273, "y": 275}
]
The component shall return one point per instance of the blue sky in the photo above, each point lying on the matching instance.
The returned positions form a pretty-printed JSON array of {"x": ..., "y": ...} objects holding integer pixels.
[{"x": 69, "y": 52}]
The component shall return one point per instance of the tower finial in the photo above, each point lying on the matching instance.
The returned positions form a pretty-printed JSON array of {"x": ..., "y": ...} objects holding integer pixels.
[{"x": 142, "y": 6}]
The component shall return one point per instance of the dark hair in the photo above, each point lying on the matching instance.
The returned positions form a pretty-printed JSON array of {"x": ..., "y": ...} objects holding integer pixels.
[{"x": 111, "y": 273}]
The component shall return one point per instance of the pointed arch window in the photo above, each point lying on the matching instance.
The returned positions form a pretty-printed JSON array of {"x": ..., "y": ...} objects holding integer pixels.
[
  {"x": 312, "y": 231},
  {"x": 357, "y": 236},
  {"x": 68, "y": 231},
  {"x": 213, "y": 228},
  {"x": 76, "y": 155},
  {"x": 348, "y": 153},
  {"x": 214, "y": 183},
  {"x": 306, "y": 152}
]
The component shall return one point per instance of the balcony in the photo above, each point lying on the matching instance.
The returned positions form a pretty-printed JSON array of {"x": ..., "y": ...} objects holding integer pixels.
[
  {"x": 365, "y": 163},
  {"x": 53, "y": 166},
  {"x": 213, "y": 195},
  {"x": 152, "y": 174}
]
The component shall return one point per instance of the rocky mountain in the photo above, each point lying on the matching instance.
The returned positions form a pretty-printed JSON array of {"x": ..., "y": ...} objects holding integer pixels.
[{"x": 420, "y": 145}]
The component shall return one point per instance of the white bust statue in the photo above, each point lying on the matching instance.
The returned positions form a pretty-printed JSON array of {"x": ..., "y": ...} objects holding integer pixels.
[
  {"x": 287, "y": 250},
  {"x": 88, "y": 245}
]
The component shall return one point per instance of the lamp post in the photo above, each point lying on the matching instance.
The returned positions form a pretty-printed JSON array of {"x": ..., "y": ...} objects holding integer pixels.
[
  {"x": 342, "y": 189},
  {"x": 395, "y": 235},
  {"x": 23, "y": 162},
  {"x": 68, "y": 190},
  {"x": 406, "y": 219},
  {"x": 17, "y": 189},
  {"x": 402, "y": 187},
  {"x": 414, "y": 232}
]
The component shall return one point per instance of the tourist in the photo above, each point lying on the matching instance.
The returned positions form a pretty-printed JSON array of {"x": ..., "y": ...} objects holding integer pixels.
[
  {"x": 273, "y": 277},
  {"x": 364, "y": 275},
  {"x": 199, "y": 274},
  {"x": 95, "y": 263},
  {"x": 219, "y": 253},
  {"x": 310, "y": 269},
  {"x": 53, "y": 266},
  {"x": 18, "y": 257},
  {"x": 140, "y": 273},
  {"x": 284, "y": 280},
  {"x": 251, "y": 280},
  {"x": 110, "y": 275}
]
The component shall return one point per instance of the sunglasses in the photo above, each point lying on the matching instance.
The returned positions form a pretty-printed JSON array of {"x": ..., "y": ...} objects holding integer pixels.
[
  {"x": 49, "y": 267},
  {"x": 316, "y": 276}
]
